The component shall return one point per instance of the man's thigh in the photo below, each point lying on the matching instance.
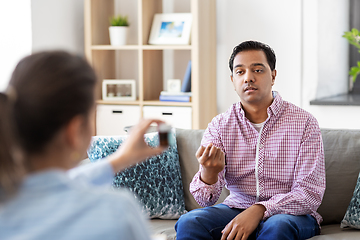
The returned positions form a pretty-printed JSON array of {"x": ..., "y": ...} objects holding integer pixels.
[
  {"x": 205, "y": 222},
  {"x": 285, "y": 226}
]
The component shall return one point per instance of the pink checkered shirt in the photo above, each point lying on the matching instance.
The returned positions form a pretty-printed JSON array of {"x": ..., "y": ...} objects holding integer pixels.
[{"x": 281, "y": 168}]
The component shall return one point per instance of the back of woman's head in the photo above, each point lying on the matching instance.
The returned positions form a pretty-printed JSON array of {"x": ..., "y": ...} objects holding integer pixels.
[{"x": 49, "y": 89}]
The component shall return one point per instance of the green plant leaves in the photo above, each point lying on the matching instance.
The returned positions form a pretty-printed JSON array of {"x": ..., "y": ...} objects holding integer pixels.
[
  {"x": 119, "y": 21},
  {"x": 353, "y": 38},
  {"x": 354, "y": 71}
]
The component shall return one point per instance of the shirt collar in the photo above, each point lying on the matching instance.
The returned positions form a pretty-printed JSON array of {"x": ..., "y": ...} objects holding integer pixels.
[
  {"x": 274, "y": 108},
  {"x": 276, "y": 105}
]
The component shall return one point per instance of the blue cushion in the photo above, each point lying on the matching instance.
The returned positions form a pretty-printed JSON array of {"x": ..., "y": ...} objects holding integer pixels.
[
  {"x": 352, "y": 215},
  {"x": 156, "y": 183}
]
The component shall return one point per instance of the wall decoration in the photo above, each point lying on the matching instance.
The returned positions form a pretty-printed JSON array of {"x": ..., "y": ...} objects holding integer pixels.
[
  {"x": 119, "y": 89},
  {"x": 171, "y": 28}
]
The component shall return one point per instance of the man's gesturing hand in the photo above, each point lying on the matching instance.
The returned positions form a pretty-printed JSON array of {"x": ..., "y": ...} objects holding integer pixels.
[
  {"x": 212, "y": 160},
  {"x": 241, "y": 227}
]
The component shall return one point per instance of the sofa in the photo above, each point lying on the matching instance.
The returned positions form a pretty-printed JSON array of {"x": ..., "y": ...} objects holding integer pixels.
[{"x": 342, "y": 161}]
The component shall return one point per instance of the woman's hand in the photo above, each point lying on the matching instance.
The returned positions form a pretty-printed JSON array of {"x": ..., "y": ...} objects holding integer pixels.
[{"x": 134, "y": 149}]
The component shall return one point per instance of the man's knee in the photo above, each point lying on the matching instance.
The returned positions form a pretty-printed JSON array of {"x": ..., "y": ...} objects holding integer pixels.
[
  {"x": 190, "y": 219},
  {"x": 280, "y": 221},
  {"x": 285, "y": 226}
]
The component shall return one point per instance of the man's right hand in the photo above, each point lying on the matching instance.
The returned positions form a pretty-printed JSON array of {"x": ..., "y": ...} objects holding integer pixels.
[{"x": 212, "y": 160}]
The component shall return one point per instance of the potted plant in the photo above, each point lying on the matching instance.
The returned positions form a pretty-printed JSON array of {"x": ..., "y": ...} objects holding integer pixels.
[{"x": 118, "y": 30}]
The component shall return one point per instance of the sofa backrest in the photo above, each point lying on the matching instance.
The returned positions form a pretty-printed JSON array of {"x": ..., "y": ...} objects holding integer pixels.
[
  {"x": 342, "y": 161},
  {"x": 188, "y": 142}
]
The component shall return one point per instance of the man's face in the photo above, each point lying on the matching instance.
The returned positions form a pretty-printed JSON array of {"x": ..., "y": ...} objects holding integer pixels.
[{"x": 253, "y": 78}]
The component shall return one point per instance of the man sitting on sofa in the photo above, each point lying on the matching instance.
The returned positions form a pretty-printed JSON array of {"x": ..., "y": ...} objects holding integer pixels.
[{"x": 274, "y": 165}]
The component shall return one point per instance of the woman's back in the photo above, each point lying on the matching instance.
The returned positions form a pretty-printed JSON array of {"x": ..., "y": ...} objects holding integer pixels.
[
  {"x": 46, "y": 124},
  {"x": 50, "y": 205}
]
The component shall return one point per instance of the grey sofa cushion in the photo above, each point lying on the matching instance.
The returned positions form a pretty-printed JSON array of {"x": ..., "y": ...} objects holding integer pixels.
[
  {"x": 334, "y": 232},
  {"x": 342, "y": 163},
  {"x": 188, "y": 142}
]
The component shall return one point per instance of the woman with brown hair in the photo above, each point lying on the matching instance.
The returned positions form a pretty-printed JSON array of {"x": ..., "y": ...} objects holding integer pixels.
[{"x": 45, "y": 127}]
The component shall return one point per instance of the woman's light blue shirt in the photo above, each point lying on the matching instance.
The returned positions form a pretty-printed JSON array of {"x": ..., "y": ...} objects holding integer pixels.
[{"x": 55, "y": 204}]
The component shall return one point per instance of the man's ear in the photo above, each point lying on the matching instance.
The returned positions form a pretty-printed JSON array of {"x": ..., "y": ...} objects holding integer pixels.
[
  {"x": 231, "y": 78},
  {"x": 273, "y": 76}
]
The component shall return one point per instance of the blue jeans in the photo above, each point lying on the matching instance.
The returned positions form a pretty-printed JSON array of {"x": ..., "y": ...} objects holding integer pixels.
[{"x": 207, "y": 223}]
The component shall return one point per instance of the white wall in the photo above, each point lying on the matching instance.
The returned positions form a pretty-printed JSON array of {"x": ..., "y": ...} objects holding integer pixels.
[
  {"x": 312, "y": 57},
  {"x": 325, "y": 61},
  {"x": 305, "y": 34},
  {"x": 58, "y": 24},
  {"x": 15, "y": 38},
  {"x": 277, "y": 23}
]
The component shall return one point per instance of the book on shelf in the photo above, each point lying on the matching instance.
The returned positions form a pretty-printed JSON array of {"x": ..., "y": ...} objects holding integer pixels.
[
  {"x": 175, "y": 98},
  {"x": 185, "y": 94},
  {"x": 186, "y": 84},
  {"x": 166, "y": 93}
]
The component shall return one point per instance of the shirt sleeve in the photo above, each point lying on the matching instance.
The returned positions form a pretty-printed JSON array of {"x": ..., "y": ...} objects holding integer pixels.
[
  {"x": 205, "y": 194},
  {"x": 98, "y": 173},
  {"x": 309, "y": 178}
]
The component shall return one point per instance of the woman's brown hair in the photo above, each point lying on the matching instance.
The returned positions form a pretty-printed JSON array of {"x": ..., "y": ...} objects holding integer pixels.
[{"x": 49, "y": 89}]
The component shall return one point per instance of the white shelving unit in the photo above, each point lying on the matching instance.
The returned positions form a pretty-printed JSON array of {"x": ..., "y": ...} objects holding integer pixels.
[{"x": 145, "y": 63}]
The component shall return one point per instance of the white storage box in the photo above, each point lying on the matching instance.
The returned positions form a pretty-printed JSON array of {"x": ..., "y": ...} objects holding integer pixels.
[
  {"x": 111, "y": 119},
  {"x": 178, "y": 117}
]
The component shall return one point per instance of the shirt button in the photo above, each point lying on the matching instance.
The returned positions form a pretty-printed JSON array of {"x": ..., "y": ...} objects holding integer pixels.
[{"x": 261, "y": 146}]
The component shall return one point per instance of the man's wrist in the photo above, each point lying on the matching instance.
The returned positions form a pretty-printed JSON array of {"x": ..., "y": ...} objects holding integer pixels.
[
  {"x": 261, "y": 209},
  {"x": 208, "y": 178}
]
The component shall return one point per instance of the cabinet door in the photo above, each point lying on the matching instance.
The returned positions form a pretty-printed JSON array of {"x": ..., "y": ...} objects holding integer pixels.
[
  {"x": 111, "y": 119},
  {"x": 178, "y": 117}
]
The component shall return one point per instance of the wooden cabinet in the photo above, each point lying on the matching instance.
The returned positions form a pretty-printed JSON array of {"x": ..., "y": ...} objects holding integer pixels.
[
  {"x": 112, "y": 119},
  {"x": 147, "y": 64},
  {"x": 180, "y": 117}
]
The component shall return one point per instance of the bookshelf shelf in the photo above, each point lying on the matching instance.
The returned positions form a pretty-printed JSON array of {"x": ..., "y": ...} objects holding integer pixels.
[
  {"x": 163, "y": 103},
  {"x": 110, "y": 47},
  {"x": 164, "y": 47},
  {"x": 147, "y": 64},
  {"x": 139, "y": 47},
  {"x": 118, "y": 102}
]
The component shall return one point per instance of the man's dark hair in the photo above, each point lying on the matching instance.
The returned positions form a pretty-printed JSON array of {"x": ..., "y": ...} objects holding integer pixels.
[{"x": 253, "y": 45}]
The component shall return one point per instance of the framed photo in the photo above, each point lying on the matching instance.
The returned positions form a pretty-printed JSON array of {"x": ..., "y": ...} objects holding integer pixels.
[
  {"x": 171, "y": 28},
  {"x": 119, "y": 89}
]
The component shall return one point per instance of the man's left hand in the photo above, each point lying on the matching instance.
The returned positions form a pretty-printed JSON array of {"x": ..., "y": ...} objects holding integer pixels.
[{"x": 241, "y": 227}]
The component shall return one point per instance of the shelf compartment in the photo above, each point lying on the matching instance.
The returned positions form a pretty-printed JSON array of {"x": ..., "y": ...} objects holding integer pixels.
[
  {"x": 176, "y": 116},
  {"x": 112, "y": 119},
  {"x": 148, "y": 10},
  {"x": 99, "y": 12},
  {"x": 152, "y": 74},
  {"x": 115, "y": 64}
]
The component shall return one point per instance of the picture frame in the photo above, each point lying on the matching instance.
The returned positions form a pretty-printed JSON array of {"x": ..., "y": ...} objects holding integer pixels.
[
  {"x": 119, "y": 90},
  {"x": 171, "y": 28}
]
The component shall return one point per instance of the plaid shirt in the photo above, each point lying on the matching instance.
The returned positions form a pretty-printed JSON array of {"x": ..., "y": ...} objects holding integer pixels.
[{"x": 281, "y": 168}]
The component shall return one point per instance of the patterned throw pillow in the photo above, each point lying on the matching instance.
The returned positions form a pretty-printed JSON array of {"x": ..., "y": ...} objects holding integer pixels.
[
  {"x": 156, "y": 183},
  {"x": 352, "y": 215}
]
